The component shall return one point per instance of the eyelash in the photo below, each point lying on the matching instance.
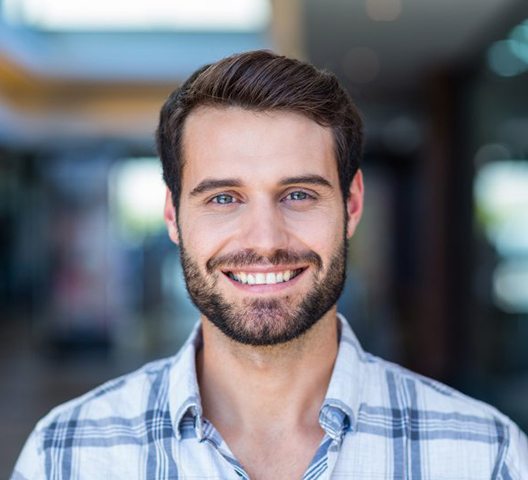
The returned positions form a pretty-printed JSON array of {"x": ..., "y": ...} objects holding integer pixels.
[
  {"x": 306, "y": 195},
  {"x": 216, "y": 197}
]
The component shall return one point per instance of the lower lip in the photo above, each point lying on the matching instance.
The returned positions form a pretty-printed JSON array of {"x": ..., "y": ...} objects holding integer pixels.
[{"x": 275, "y": 287}]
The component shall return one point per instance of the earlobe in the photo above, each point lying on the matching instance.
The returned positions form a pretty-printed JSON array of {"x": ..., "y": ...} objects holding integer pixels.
[
  {"x": 354, "y": 203},
  {"x": 170, "y": 218}
]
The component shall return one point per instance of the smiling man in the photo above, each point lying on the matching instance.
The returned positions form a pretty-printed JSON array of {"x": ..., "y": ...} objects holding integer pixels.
[{"x": 261, "y": 159}]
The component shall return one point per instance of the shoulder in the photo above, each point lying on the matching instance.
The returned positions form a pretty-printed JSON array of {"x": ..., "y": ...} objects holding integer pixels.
[
  {"x": 414, "y": 393},
  {"x": 412, "y": 390},
  {"x": 115, "y": 416},
  {"x": 442, "y": 418},
  {"x": 123, "y": 397}
]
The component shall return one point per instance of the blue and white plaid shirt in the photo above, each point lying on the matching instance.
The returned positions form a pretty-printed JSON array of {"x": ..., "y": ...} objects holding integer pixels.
[{"x": 380, "y": 421}]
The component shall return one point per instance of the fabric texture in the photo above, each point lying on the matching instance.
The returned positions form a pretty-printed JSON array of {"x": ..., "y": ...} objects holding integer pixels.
[{"x": 380, "y": 422}]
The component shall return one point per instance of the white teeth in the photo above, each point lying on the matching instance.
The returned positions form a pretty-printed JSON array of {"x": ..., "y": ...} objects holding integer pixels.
[{"x": 264, "y": 278}]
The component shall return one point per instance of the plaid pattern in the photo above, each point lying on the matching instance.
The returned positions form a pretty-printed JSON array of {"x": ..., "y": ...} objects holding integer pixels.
[{"x": 380, "y": 421}]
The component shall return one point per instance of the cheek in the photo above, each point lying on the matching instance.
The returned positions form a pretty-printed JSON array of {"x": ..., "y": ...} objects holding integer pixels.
[
  {"x": 204, "y": 236},
  {"x": 321, "y": 231}
]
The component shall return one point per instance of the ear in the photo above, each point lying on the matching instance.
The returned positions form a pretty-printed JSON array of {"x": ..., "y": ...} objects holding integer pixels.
[
  {"x": 354, "y": 203},
  {"x": 169, "y": 214}
]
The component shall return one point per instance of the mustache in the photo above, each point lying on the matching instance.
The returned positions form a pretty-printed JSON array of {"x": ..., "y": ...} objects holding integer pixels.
[{"x": 247, "y": 258}]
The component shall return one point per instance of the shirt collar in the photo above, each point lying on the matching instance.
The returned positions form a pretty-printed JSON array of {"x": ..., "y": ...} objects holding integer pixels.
[
  {"x": 343, "y": 396},
  {"x": 338, "y": 412},
  {"x": 184, "y": 394}
]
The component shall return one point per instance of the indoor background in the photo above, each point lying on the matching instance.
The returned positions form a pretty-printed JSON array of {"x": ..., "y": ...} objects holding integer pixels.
[{"x": 91, "y": 287}]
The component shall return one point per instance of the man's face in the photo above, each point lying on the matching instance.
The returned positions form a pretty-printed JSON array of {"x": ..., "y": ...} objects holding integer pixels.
[{"x": 261, "y": 224}]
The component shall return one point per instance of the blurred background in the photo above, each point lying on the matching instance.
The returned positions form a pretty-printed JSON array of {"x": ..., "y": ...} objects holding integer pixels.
[{"x": 90, "y": 286}]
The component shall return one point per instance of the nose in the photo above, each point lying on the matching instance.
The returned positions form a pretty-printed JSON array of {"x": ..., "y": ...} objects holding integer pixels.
[{"x": 264, "y": 229}]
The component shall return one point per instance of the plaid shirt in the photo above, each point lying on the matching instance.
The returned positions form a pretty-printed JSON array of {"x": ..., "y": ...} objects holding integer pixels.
[{"x": 380, "y": 422}]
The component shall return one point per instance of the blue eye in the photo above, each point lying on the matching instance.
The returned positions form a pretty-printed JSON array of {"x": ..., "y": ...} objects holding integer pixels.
[
  {"x": 223, "y": 199},
  {"x": 298, "y": 195}
]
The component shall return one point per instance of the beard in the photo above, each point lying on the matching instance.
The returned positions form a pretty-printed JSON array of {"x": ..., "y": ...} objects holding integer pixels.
[{"x": 265, "y": 321}]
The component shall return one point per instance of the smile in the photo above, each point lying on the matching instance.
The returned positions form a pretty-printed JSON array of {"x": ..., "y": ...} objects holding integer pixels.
[{"x": 264, "y": 278}]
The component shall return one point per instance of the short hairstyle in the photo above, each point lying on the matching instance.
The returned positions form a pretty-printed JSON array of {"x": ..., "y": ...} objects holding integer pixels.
[{"x": 261, "y": 81}]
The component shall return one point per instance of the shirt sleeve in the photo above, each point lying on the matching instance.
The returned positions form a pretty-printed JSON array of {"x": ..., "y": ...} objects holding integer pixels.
[
  {"x": 30, "y": 463},
  {"x": 515, "y": 466}
]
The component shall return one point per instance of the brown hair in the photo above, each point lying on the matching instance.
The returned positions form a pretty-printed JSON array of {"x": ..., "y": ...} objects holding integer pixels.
[{"x": 260, "y": 81}]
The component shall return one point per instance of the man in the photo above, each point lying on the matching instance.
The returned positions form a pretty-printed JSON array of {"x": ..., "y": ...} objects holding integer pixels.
[{"x": 260, "y": 156}]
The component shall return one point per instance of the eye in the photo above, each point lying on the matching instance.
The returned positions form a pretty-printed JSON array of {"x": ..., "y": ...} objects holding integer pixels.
[
  {"x": 299, "y": 195},
  {"x": 223, "y": 199}
]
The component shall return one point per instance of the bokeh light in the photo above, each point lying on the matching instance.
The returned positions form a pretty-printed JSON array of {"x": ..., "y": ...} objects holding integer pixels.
[
  {"x": 137, "y": 197},
  {"x": 501, "y": 194},
  {"x": 383, "y": 10}
]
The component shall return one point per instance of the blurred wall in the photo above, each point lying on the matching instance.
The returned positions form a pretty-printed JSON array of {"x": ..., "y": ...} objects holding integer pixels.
[{"x": 91, "y": 287}]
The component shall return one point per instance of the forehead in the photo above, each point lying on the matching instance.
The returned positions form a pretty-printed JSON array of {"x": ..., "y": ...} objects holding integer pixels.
[{"x": 236, "y": 142}]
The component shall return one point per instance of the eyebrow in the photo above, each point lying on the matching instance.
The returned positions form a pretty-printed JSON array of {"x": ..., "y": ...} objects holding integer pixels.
[
  {"x": 310, "y": 179},
  {"x": 215, "y": 183}
]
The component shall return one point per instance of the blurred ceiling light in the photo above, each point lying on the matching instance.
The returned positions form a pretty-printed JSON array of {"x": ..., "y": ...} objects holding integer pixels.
[
  {"x": 361, "y": 65},
  {"x": 510, "y": 285},
  {"x": 383, "y": 10},
  {"x": 501, "y": 198},
  {"x": 203, "y": 15}
]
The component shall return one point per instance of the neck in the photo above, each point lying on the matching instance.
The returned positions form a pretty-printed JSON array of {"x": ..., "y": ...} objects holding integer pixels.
[{"x": 251, "y": 388}]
